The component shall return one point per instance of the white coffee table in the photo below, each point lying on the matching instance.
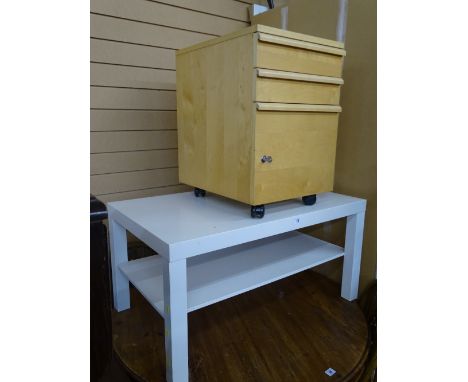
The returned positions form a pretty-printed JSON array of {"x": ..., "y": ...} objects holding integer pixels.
[{"x": 210, "y": 249}]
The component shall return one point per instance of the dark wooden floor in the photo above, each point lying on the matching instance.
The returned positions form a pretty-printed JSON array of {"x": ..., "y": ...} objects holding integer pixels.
[{"x": 291, "y": 330}]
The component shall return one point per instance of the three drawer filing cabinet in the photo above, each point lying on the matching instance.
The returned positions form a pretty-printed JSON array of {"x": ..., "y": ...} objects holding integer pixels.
[{"x": 257, "y": 115}]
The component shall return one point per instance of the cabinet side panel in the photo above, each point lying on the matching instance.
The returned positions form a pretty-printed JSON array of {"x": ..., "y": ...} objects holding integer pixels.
[
  {"x": 214, "y": 117},
  {"x": 191, "y": 119}
]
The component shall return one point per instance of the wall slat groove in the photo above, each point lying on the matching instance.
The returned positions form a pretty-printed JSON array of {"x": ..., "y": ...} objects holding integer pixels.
[
  {"x": 225, "y": 8},
  {"x": 126, "y": 109},
  {"x": 107, "y": 131},
  {"x": 106, "y": 163},
  {"x": 133, "y": 102},
  {"x": 248, "y": 2},
  {"x": 140, "y": 189},
  {"x": 131, "y": 77},
  {"x": 133, "y": 151},
  {"x": 210, "y": 35},
  {"x": 130, "y": 66},
  {"x": 166, "y": 15},
  {"x": 126, "y": 87},
  {"x": 132, "y": 140},
  {"x": 129, "y": 181},
  {"x": 131, "y": 43},
  {"x": 143, "y": 193},
  {"x": 129, "y": 87},
  {"x": 112, "y": 120},
  {"x": 143, "y": 33},
  {"x": 139, "y": 169},
  {"x": 135, "y": 99}
]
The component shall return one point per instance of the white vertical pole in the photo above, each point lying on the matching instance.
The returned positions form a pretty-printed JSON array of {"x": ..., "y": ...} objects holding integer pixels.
[
  {"x": 284, "y": 18},
  {"x": 119, "y": 255},
  {"x": 175, "y": 320},
  {"x": 352, "y": 256},
  {"x": 342, "y": 20}
]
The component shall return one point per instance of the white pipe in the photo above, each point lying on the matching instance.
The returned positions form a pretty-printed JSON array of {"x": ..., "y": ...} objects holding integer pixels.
[
  {"x": 342, "y": 19},
  {"x": 284, "y": 18}
]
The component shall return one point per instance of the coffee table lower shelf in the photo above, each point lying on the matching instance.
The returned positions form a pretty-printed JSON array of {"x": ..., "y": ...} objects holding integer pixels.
[{"x": 222, "y": 274}]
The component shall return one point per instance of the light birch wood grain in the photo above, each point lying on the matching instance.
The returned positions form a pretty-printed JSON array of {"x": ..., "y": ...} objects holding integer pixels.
[
  {"x": 298, "y": 107},
  {"x": 267, "y": 73},
  {"x": 287, "y": 91},
  {"x": 302, "y": 147},
  {"x": 214, "y": 114},
  {"x": 293, "y": 59},
  {"x": 239, "y": 99},
  {"x": 299, "y": 36},
  {"x": 275, "y": 39}
]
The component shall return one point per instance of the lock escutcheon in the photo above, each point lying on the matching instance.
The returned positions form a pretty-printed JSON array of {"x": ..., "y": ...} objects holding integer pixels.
[{"x": 266, "y": 159}]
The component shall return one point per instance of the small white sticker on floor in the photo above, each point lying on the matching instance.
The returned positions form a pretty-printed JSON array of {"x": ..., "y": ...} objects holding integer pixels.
[{"x": 330, "y": 372}]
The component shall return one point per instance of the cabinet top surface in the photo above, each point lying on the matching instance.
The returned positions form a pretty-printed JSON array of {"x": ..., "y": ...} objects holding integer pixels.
[
  {"x": 176, "y": 220},
  {"x": 264, "y": 29}
]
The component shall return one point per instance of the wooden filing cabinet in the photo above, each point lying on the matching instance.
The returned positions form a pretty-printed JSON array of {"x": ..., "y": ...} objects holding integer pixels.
[{"x": 257, "y": 115}]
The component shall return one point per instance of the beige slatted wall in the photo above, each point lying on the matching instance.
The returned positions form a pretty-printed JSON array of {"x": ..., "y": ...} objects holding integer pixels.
[{"x": 133, "y": 102}]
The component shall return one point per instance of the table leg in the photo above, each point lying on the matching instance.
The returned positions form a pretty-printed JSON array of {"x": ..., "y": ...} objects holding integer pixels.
[
  {"x": 119, "y": 255},
  {"x": 175, "y": 320},
  {"x": 352, "y": 256}
]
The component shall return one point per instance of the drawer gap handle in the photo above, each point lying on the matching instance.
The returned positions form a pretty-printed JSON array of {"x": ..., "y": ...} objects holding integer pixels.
[
  {"x": 268, "y": 73},
  {"x": 275, "y": 106}
]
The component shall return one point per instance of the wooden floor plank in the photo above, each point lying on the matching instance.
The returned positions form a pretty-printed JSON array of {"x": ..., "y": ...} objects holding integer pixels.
[{"x": 291, "y": 330}]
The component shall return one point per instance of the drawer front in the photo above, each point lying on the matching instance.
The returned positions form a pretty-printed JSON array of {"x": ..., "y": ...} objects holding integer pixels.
[
  {"x": 281, "y": 89},
  {"x": 295, "y": 59},
  {"x": 302, "y": 147}
]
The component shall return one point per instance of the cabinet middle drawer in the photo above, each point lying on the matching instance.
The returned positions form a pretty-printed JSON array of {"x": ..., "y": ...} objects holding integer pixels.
[{"x": 290, "y": 87}]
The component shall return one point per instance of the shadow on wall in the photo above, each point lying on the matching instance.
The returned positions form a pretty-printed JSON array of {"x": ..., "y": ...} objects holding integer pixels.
[{"x": 356, "y": 159}]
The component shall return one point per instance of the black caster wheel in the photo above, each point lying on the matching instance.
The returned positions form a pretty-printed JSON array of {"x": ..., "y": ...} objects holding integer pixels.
[
  {"x": 309, "y": 200},
  {"x": 199, "y": 192},
  {"x": 257, "y": 211}
]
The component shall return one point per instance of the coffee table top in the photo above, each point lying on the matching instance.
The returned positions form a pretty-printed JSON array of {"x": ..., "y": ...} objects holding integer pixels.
[{"x": 180, "y": 225}]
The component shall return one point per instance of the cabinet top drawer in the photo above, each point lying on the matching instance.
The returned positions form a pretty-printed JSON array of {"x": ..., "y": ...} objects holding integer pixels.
[
  {"x": 281, "y": 36},
  {"x": 278, "y": 53},
  {"x": 274, "y": 39}
]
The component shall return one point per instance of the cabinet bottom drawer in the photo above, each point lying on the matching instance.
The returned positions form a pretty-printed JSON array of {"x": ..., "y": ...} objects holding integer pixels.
[{"x": 300, "y": 150}]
